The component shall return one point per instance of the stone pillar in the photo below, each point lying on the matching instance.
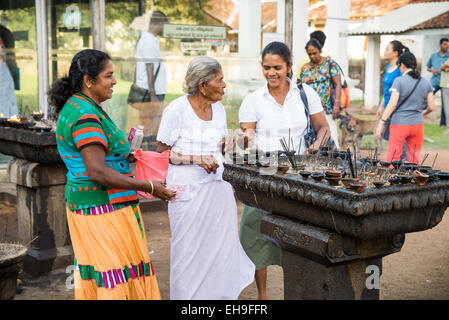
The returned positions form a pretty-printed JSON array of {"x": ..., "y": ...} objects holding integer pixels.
[
  {"x": 320, "y": 264},
  {"x": 337, "y": 25},
  {"x": 280, "y": 17},
  {"x": 296, "y": 23},
  {"x": 250, "y": 21},
  {"x": 42, "y": 54},
  {"x": 300, "y": 25},
  {"x": 42, "y": 215},
  {"x": 372, "y": 72}
]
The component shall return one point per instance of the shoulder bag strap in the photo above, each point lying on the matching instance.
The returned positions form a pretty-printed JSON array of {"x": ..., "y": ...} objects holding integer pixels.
[
  {"x": 329, "y": 68},
  {"x": 329, "y": 74},
  {"x": 305, "y": 101},
  {"x": 157, "y": 71},
  {"x": 155, "y": 75},
  {"x": 408, "y": 96},
  {"x": 344, "y": 84}
]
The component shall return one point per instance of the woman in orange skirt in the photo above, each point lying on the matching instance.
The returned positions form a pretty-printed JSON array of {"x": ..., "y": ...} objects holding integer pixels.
[{"x": 105, "y": 222}]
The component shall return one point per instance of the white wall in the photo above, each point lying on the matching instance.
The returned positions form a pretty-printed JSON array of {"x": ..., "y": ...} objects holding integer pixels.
[{"x": 431, "y": 44}]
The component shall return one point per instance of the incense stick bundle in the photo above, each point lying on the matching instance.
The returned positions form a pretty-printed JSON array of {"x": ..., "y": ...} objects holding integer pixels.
[
  {"x": 434, "y": 160},
  {"x": 350, "y": 163},
  {"x": 394, "y": 153},
  {"x": 284, "y": 146},
  {"x": 425, "y": 157}
]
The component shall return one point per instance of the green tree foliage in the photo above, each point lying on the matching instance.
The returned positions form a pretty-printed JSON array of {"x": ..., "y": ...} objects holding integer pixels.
[
  {"x": 123, "y": 11},
  {"x": 183, "y": 11},
  {"x": 21, "y": 20}
]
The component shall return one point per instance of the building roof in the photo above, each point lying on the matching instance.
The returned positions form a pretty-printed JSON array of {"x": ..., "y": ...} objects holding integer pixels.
[
  {"x": 403, "y": 19},
  {"x": 441, "y": 21},
  {"x": 227, "y": 11},
  {"x": 362, "y": 9}
]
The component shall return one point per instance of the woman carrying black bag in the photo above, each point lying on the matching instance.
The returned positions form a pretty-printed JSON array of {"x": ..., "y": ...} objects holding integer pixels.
[
  {"x": 266, "y": 115},
  {"x": 405, "y": 112}
]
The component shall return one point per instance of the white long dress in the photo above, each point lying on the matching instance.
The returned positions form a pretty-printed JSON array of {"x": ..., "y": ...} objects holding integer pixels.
[{"x": 207, "y": 260}]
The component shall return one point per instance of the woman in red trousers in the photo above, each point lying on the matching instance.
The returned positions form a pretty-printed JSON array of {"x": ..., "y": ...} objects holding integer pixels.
[{"x": 406, "y": 108}]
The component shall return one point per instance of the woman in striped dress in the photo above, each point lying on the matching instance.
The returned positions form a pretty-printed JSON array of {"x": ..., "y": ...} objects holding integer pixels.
[{"x": 105, "y": 222}]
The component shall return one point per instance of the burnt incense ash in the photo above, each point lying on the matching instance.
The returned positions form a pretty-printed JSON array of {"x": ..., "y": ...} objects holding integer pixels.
[{"x": 30, "y": 139}]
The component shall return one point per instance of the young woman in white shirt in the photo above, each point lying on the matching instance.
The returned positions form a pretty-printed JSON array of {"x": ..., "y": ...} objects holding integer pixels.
[{"x": 265, "y": 116}]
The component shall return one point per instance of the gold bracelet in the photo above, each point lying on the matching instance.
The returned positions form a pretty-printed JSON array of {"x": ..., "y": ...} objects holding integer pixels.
[{"x": 152, "y": 187}]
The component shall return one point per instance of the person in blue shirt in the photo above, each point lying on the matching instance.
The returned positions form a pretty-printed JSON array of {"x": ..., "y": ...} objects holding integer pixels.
[
  {"x": 392, "y": 52},
  {"x": 434, "y": 64}
]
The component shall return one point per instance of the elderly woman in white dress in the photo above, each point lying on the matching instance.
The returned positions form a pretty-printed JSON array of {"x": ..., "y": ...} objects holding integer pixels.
[{"x": 207, "y": 260}]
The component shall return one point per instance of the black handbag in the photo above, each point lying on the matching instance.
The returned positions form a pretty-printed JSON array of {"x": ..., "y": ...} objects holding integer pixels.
[
  {"x": 310, "y": 136},
  {"x": 137, "y": 94},
  {"x": 386, "y": 134}
]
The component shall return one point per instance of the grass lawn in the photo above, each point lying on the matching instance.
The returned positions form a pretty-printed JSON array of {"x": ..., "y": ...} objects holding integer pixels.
[
  {"x": 431, "y": 131},
  {"x": 27, "y": 96},
  {"x": 436, "y": 133},
  {"x": 174, "y": 90}
]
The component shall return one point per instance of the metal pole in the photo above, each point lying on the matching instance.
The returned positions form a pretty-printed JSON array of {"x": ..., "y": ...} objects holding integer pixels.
[
  {"x": 142, "y": 7},
  {"x": 289, "y": 23},
  {"x": 54, "y": 40},
  {"x": 42, "y": 54},
  {"x": 98, "y": 24}
]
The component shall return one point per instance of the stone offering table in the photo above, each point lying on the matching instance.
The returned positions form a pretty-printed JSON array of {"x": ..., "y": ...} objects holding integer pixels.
[
  {"x": 40, "y": 176},
  {"x": 27, "y": 144},
  {"x": 333, "y": 239}
]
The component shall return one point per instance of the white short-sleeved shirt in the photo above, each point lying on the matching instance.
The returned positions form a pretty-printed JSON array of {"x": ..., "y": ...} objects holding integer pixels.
[
  {"x": 148, "y": 51},
  {"x": 187, "y": 134},
  {"x": 275, "y": 120}
]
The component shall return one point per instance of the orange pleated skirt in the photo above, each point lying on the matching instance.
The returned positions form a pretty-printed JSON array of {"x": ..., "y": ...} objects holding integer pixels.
[{"x": 111, "y": 256}]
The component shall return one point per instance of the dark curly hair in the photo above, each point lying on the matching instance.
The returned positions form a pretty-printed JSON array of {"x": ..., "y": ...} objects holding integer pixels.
[
  {"x": 90, "y": 62},
  {"x": 320, "y": 36},
  {"x": 408, "y": 59}
]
